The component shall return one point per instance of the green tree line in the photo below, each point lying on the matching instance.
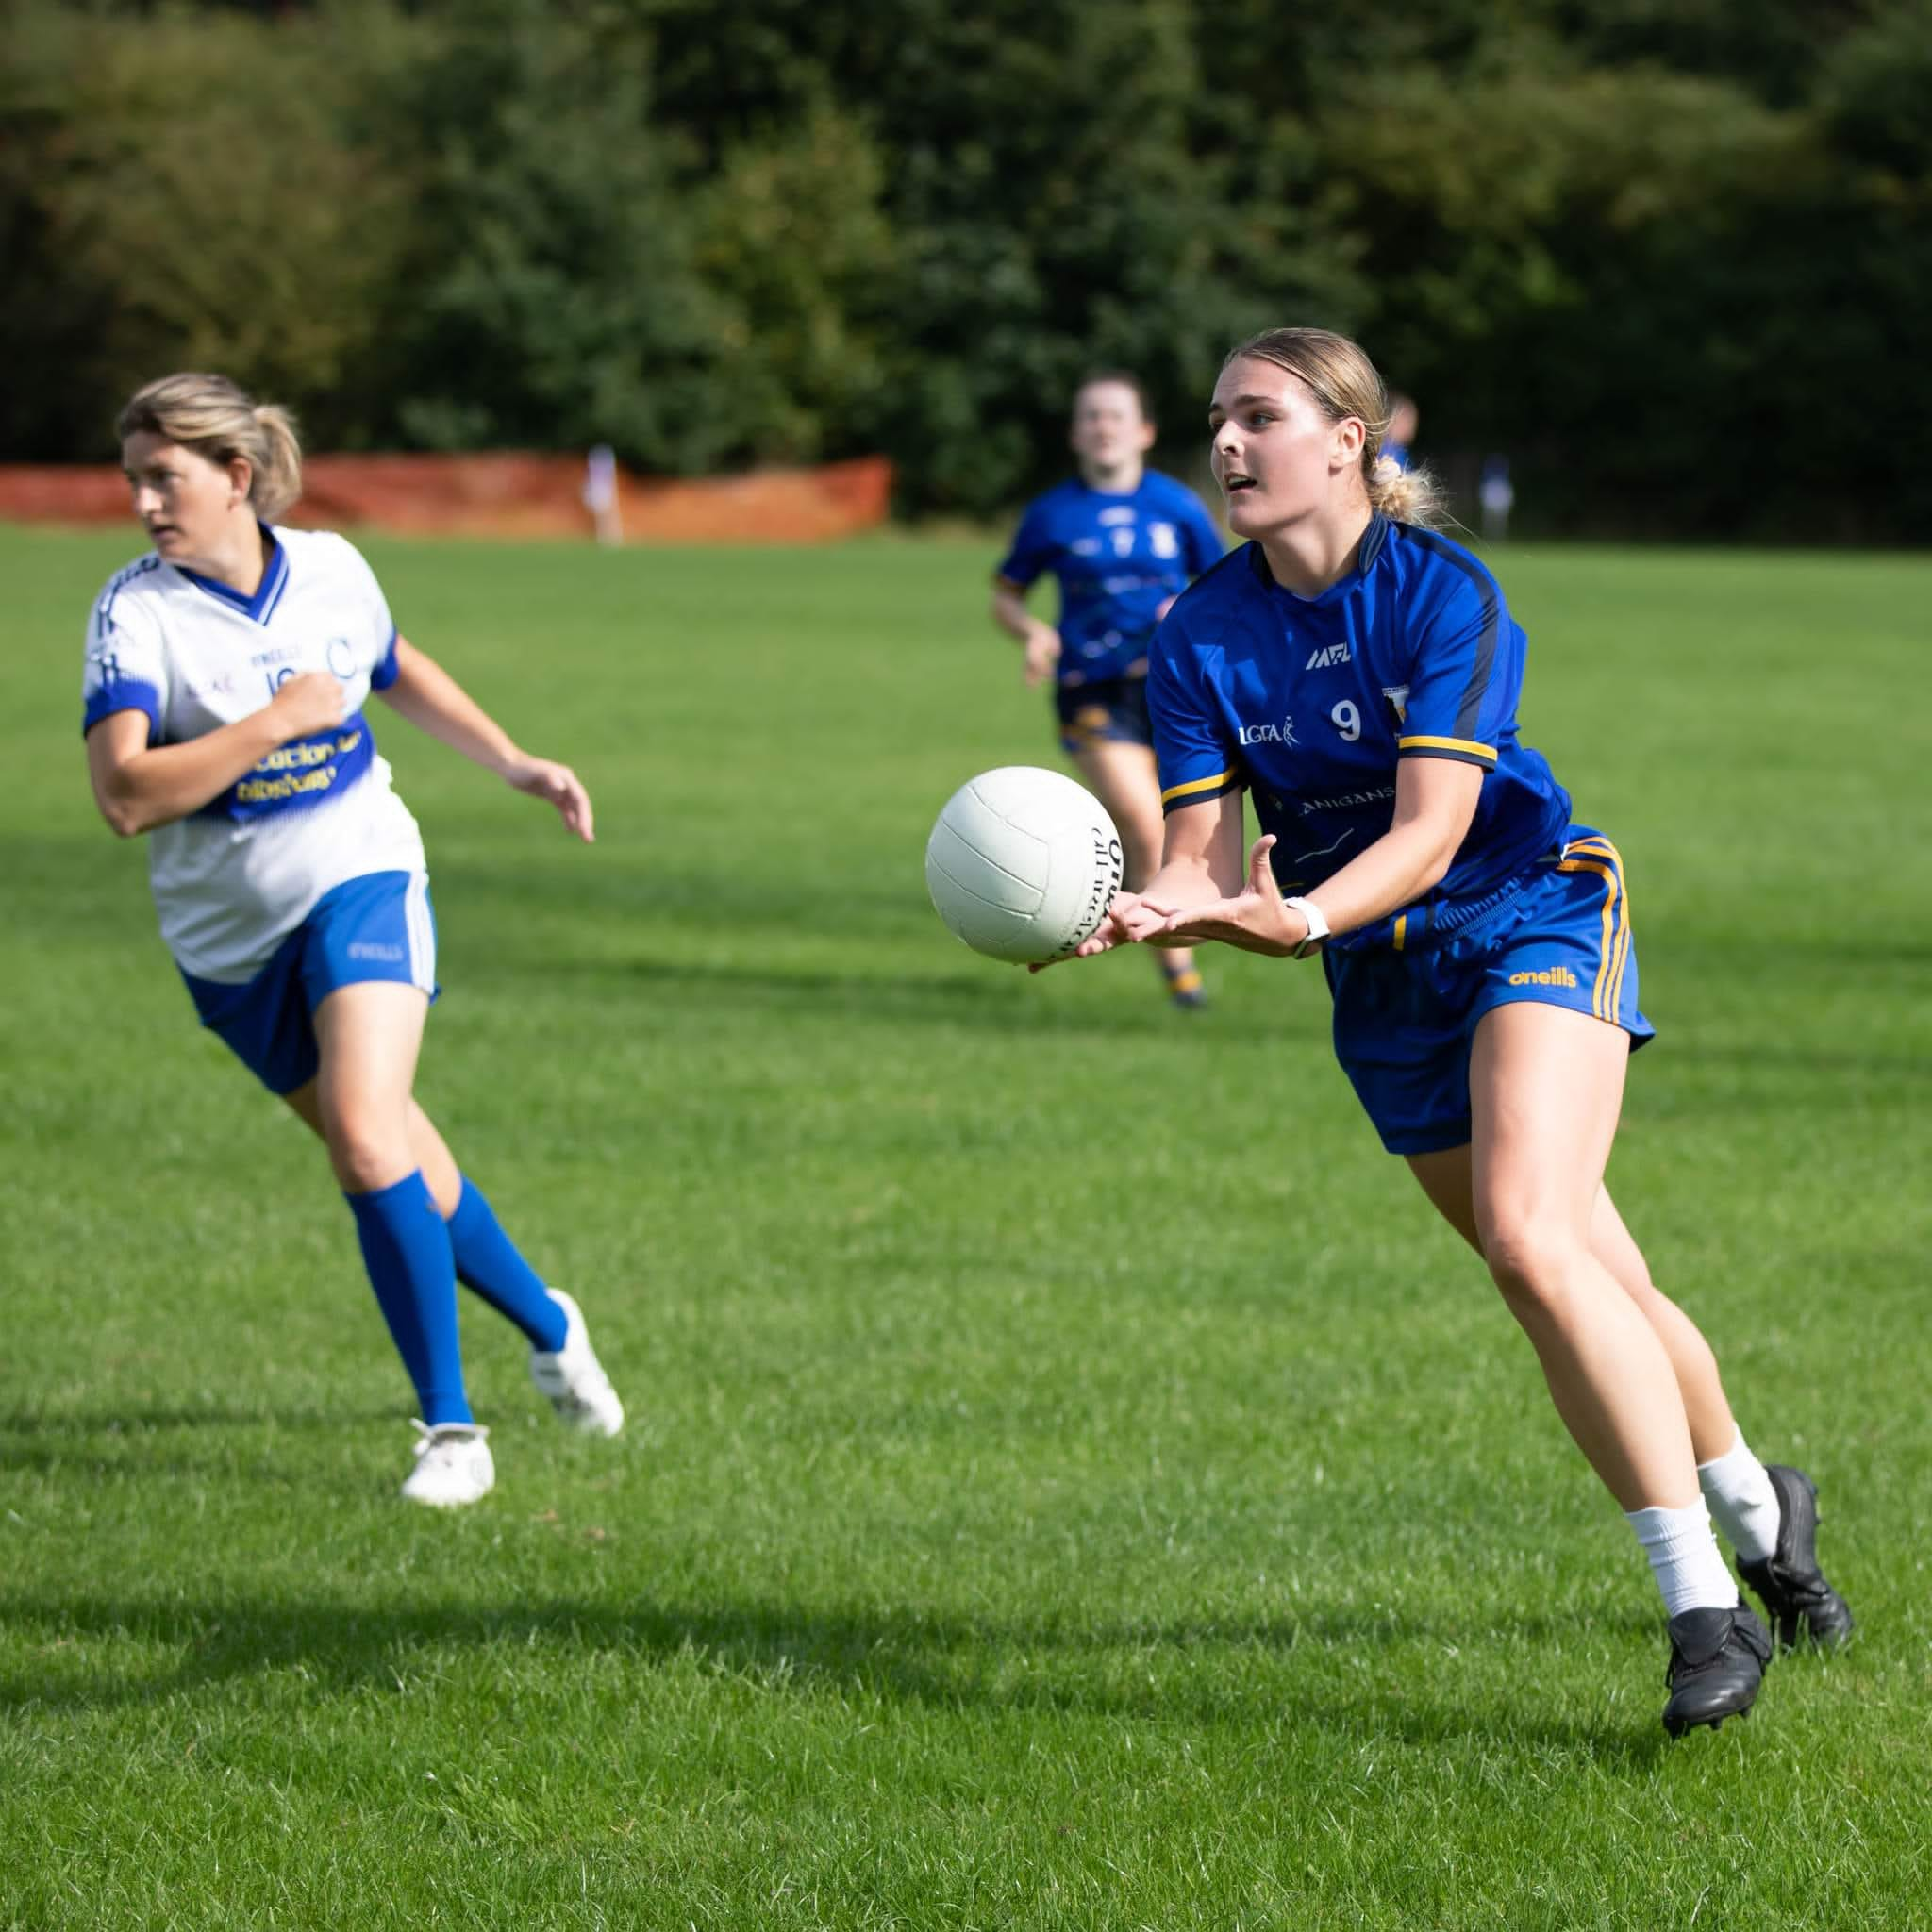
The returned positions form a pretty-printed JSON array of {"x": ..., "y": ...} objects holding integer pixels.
[{"x": 1671, "y": 255}]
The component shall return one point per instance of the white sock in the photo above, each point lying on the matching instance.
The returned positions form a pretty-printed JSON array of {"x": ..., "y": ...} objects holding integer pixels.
[
  {"x": 1683, "y": 1552},
  {"x": 1742, "y": 1500}
]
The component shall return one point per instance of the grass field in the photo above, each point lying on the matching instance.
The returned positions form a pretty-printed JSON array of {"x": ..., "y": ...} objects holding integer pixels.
[{"x": 1071, "y": 1481}]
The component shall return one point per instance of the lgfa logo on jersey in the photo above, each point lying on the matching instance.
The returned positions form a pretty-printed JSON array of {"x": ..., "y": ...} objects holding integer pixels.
[
  {"x": 1321, "y": 658},
  {"x": 1267, "y": 733}
]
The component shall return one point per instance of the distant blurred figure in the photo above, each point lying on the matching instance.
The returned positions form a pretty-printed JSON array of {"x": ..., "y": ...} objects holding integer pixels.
[
  {"x": 600, "y": 495},
  {"x": 1124, "y": 541},
  {"x": 1497, "y": 495},
  {"x": 1404, "y": 419}
]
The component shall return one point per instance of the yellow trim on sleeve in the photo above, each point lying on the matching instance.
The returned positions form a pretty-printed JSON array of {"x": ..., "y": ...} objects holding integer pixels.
[
  {"x": 1486, "y": 752},
  {"x": 1401, "y": 930},
  {"x": 1194, "y": 785}
]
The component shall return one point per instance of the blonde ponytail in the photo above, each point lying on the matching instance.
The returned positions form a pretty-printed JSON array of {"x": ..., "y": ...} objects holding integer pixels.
[
  {"x": 1404, "y": 496},
  {"x": 219, "y": 420},
  {"x": 278, "y": 476},
  {"x": 1338, "y": 375}
]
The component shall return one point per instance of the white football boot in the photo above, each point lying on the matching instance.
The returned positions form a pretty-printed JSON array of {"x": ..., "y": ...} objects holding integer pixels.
[
  {"x": 453, "y": 1466},
  {"x": 574, "y": 1378}
]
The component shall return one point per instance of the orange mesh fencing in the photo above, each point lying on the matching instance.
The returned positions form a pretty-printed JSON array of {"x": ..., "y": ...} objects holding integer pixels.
[{"x": 503, "y": 494}]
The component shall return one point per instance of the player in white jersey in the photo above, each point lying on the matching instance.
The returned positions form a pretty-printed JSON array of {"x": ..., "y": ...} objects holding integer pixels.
[{"x": 227, "y": 672}]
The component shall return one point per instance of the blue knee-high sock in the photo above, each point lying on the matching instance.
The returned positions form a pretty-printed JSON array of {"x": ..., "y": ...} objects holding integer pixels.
[
  {"x": 406, "y": 1248},
  {"x": 488, "y": 1263}
]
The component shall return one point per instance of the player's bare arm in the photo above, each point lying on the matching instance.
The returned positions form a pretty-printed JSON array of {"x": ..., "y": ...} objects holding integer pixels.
[
  {"x": 433, "y": 701},
  {"x": 139, "y": 788},
  {"x": 1037, "y": 640},
  {"x": 1435, "y": 801}
]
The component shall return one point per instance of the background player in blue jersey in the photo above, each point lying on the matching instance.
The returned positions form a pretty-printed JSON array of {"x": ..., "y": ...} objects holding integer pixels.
[
  {"x": 226, "y": 673},
  {"x": 1404, "y": 418},
  {"x": 1357, "y": 676},
  {"x": 1124, "y": 541}
]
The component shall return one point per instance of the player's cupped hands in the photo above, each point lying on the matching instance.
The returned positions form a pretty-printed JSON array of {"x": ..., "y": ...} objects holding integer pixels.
[
  {"x": 1130, "y": 920},
  {"x": 1256, "y": 919},
  {"x": 559, "y": 785}
]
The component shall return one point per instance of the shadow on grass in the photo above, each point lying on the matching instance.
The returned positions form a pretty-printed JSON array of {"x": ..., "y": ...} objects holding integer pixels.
[
  {"x": 141, "y": 1444},
  {"x": 1330, "y": 1668},
  {"x": 133, "y": 1420},
  {"x": 996, "y": 998}
]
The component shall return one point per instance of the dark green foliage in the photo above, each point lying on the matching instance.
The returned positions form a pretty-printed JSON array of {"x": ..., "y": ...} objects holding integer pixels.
[
  {"x": 554, "y": 302},
  {"x": 187, "y": 191},
  {"x": 1671, "y": 257}
]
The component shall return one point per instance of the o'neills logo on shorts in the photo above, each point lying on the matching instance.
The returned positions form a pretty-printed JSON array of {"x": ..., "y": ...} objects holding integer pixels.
[
  {"x": 1556, "y": 975},
  {"x": 372, "y": 949}
]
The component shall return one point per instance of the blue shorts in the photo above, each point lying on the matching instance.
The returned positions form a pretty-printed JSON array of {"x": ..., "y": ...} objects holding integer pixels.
[
  {"x": 1110, "y": 708},
  {"x": 379, "y": 926},
  {"x": 1405, "y": 1018}
]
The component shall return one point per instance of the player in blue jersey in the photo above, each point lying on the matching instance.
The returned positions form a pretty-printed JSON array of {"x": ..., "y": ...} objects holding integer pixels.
[
  {"x": 1404, "y": 418},
  {"x": 1123, "y": 541},
  {"x": 225, "y": 674},
  {"x": 1356, "y": 675}
]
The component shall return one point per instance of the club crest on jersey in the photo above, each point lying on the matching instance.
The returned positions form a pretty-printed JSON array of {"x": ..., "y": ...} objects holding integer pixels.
[
  {"x": 1397, "y": 695},
  {"x": 1267, "y": 733},
  {"x": 1323, "y": 655}
]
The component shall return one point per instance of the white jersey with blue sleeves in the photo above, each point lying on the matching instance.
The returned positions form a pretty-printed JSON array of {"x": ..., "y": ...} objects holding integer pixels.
[{"x": 233, "y": 879}]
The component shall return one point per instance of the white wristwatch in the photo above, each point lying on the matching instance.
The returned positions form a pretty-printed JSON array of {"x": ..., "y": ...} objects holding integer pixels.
[{"x": 1318, "y": 925}]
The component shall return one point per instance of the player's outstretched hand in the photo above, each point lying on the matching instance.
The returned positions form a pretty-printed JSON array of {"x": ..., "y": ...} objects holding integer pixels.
[
  {"x": 561, "y": 787},
  {"x": 310, "y": 701},
  {"x": 1256, "y": 920},
  {"x": 1130, "y": 919}
]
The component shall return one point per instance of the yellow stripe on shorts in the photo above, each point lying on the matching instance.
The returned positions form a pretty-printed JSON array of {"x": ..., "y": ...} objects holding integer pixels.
[{"x": 1600, "y": 857}]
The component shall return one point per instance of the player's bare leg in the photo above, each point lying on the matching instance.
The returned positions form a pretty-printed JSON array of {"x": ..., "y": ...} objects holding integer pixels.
[
  {"x": 1126, "y": 781},
  {"x": 432, "y": 1154},
  {"x": 1546, "y": 1088},
  {"x": 1446, "y": 1179},
  {"x": 1713, "y": 1428},
  {"x": 1768, "y": 1512},
  {"x": 371, "y": 1034}
]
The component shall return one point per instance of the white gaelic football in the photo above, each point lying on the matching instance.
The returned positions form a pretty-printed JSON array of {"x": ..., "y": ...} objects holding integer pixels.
[{"x": 1023, "y": 864}]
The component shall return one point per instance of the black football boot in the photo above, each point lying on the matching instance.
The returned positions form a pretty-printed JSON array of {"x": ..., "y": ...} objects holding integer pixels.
[
  {"x": 1717, "y": 1663},
  {"x": 1802, "y": 1605}
]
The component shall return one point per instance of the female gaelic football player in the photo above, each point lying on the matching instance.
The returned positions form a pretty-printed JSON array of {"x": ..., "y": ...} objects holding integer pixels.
[
  {"x": 1124, "y": 541},
  {"x": 1358, "y": 675},
  {"x": 227, "y": 672}
]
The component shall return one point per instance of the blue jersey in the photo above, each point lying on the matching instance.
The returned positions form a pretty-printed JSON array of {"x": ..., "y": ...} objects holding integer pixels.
[
  {"x": 1309, "y": 704},
  {"x": 1120, "y": 556}
]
